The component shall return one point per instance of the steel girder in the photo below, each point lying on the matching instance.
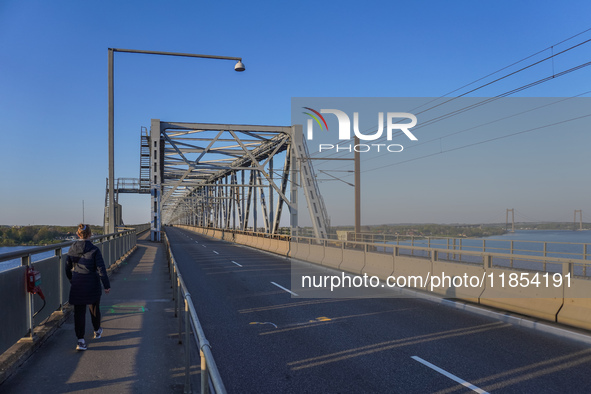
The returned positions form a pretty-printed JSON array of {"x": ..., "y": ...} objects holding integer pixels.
[
  {"x": 225, "y": 176},
  {"x": 198, "y": 167}
]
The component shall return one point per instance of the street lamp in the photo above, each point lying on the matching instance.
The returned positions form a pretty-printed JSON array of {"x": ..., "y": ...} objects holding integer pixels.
[{"x": 111, "y": 214}]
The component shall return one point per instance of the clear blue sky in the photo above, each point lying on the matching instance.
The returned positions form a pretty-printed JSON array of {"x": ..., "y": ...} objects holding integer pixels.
[{"x": 53, "y": 95}]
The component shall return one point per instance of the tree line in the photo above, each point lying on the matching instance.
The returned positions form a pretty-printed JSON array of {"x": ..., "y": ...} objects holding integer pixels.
[
  {"x": 38, "y": 235},
  {"x": 429, "y": 230}
]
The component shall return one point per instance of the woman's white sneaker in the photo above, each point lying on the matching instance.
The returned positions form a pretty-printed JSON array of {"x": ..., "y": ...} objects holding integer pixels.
[{"x": 81, "y": 345}]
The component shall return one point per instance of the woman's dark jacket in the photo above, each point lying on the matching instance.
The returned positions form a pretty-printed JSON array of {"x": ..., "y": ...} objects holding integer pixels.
[{"x": 85, "y": 269}]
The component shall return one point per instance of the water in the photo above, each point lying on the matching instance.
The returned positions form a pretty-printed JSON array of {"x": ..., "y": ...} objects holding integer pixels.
[
  {"x": 559, "y": 243},
  {"x": 549, "y": 243},
  {"x": 547, "y": 236},
  {"x": 6, "y": 265}
]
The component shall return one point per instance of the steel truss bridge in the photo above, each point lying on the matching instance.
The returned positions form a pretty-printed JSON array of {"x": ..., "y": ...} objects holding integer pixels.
[{"x": 237, "y": 177}]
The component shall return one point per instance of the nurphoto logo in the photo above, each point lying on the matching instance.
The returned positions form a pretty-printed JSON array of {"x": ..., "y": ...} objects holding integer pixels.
[{"x": 345, "y": 130}]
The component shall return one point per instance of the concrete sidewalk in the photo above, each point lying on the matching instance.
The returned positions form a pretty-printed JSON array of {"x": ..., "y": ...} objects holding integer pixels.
[{"x": 139, "y": 349}]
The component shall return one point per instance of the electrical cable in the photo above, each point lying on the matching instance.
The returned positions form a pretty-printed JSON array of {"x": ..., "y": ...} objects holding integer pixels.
[
  {"x": 487, "y": 123},
  {"x": 519, "y": 89},
  {"x": 478, "y": 143},
  {"x": 501, "y": 78}
]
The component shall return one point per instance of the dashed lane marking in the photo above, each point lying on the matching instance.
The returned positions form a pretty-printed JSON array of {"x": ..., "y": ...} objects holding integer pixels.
[
  {"x": 449, "y": 375},
  {"x": 283, "y": 288}
]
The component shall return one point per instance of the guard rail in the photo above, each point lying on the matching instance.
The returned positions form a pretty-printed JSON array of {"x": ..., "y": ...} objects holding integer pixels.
[{"x": 209, "y": 368}]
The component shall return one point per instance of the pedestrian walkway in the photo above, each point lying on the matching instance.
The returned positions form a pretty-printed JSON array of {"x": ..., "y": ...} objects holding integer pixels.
[{"x": 138, "y": 351}]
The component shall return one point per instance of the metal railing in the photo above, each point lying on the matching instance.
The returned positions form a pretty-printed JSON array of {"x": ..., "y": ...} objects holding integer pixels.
[
  {"x": 209, "y": 370},
  {"x": 580, "y": 251},
  {"x": 578, "y": 265},
  {"x": 17, "y": 307}
]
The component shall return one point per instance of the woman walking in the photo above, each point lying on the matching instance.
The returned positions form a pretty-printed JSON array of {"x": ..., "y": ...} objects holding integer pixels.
[{"x": 85, "y": 269}]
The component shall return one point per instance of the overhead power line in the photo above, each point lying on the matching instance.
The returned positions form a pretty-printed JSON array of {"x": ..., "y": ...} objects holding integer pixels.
[
  {"x": 478, "y": 143},
  {"x": 498, "y": 79}
]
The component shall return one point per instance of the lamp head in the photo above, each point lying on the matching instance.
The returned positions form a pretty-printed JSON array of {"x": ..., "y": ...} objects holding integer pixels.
[{"x": 239, "y": 66}]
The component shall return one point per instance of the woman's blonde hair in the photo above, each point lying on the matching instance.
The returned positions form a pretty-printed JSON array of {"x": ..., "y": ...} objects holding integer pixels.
[{"x": 83, "y": 231}]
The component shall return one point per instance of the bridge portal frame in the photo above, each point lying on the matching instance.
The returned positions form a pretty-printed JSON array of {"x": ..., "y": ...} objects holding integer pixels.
[{"x": 224, "y": 176}]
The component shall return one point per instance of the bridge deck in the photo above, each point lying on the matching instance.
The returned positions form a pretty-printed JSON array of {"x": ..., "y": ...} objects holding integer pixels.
[
  {"x": 266, "y": 341},
  {"x": 139, "y": 350}
]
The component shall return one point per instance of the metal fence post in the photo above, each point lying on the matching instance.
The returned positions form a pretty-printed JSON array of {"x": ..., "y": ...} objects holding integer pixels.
[
  {"x": 58, "y": 254},
  {"x": 179, "y": 295},
  {"x": 173, "y": 281},
  {"x": 26, "y": 261},
  {"x": 187, "y": 348},
  {"x": 204, "y": 373}
]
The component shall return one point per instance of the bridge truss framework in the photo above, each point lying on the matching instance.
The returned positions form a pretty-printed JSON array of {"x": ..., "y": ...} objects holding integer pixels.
[{"x": 227, "y": 177}]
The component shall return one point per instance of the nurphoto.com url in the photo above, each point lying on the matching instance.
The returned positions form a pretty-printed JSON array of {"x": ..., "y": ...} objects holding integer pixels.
[{"x": 499, "y": 279}]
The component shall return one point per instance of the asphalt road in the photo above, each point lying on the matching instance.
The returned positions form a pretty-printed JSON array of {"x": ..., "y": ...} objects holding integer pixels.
[{"x": 265, "y": 340}]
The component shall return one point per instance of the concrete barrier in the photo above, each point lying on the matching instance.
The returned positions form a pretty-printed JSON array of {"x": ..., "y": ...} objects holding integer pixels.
[
  {"x": 282, "y": 247},
  {"x": 244, "y": 239},
  {"x": 293, "y": 247},
  {"x": 274, "y": 245},
  {"x": 414, "y": 269},
  {"x": 353, "y": 261},
  {"x": 576, "y": 310},
  {"x": 265, "y": 244},
  {"x": 229, "y": 236},
  {"x": 542, "y": 302},
  {"x": 251, "y": 240},
  {"x": 241, "y": 239},
  {"x": 302, "y": 251},
  {"x": 379, "y": 264},
  {"x": 257, "y": 242},
  {"x": 445, "y": 272},
  {"x": 316, "y": 254},
  {"x": 333, "y": 257}
]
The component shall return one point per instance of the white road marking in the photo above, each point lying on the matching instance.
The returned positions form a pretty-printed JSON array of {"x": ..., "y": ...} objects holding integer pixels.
[
  {"x": 237, "y": 264},
  {"x": 215, "y": 252},
  {"x": 204, "y": 246},
  {"x": 267, "y": 322},
  {"x": 283, "y": 288},
  {"x": 449, "y": 375},
  {"x": 196, "y": 242}
]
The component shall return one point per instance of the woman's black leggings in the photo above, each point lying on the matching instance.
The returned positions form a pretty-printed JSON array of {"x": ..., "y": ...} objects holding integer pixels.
[{"x": 80, "y": 318}]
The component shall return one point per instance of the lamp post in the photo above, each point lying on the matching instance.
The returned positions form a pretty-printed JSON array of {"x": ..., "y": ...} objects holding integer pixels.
[{"x": 111, "y": 212}]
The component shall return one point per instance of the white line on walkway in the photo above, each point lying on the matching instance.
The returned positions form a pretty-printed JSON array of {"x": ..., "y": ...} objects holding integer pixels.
[
  {"x": 215, "y": 252},
  {"x": 449, "y": 375},
  {"x": 196, "y": 242},
  {"x": 283, "y": 288},
  {"x": 236, "y": 263},
  {"x": 204, "y": 246}
]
